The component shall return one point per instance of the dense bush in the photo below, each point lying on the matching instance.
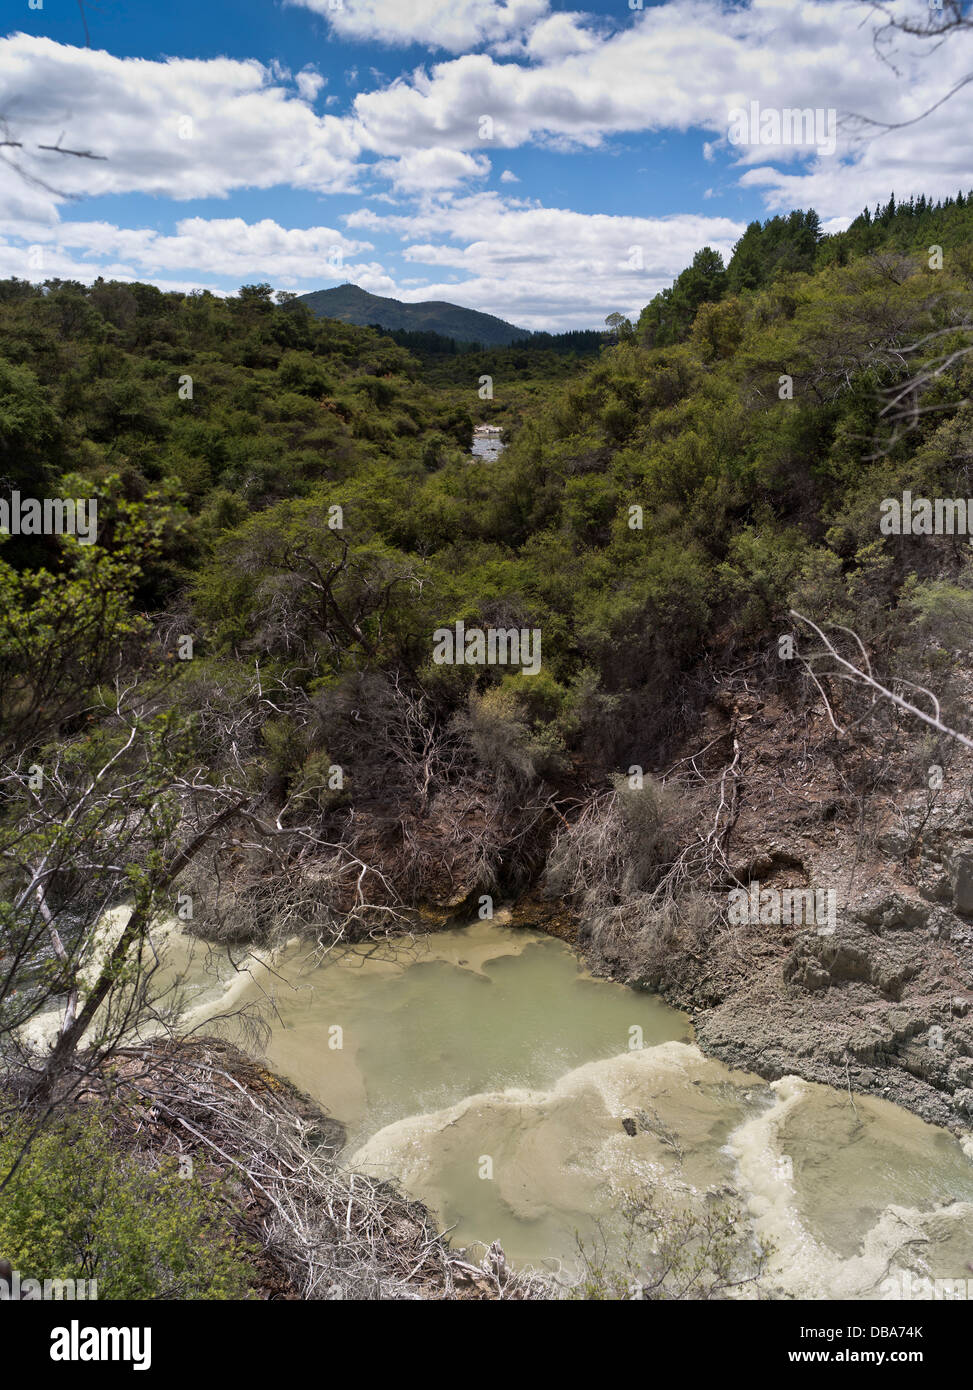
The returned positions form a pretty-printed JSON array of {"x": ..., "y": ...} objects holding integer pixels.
[{"x": 76, "y": 1208}]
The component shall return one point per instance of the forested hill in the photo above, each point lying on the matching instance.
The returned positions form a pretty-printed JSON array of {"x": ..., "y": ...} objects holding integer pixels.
[
  {"x": 214, "y": 407},
  {"x": 246, "y": 662},
  {"x": 793, "y": 243},
  {"x": 354, "y": 305},
  {"x": 229, "y": 428},
  {"x": 236, "y": 420},
  {"x": 577, "y": 342}
]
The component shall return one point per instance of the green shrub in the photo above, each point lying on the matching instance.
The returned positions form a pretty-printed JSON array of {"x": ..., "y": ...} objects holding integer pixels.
[{"x": 79, "y": 1208}]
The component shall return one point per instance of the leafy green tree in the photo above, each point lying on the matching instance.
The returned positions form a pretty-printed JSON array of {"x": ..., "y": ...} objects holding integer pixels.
[
  {"x": 782, "y": 244},
  {"x": 619, "y": 327},
  {"x": 668, "y": 318}
]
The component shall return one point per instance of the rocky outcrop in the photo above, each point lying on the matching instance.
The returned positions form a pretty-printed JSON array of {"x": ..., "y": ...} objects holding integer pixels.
[
  {"x": 874, "y": 1007},
  {"x": 882, "y": 1002}
]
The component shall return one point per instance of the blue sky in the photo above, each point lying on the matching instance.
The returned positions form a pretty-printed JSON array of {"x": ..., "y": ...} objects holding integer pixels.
[{"x": 545, "y": 163}]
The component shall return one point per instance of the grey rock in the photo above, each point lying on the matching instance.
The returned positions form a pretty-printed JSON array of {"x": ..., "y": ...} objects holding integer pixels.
[
  {"x": 961, "y": 880},
  {"x": 963, "y": 1102}
]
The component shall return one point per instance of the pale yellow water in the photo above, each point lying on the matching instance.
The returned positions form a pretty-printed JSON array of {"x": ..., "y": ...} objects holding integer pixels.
[{"x": 489, "y": 1074}]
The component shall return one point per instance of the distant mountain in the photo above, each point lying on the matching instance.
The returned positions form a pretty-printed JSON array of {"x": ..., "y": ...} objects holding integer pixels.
[{"x": 354, "y": 305}]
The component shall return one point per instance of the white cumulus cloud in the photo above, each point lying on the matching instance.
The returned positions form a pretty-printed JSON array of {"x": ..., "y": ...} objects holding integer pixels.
[
  {"x": 549, "y": 268},
  {"x": 181, "y": 128},
  {"x": 426, "y": 171},
  {"x": 453, "y": 25}
]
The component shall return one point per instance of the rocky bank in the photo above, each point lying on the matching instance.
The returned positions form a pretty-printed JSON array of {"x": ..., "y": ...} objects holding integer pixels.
[{"x": 883, "y": 1002}]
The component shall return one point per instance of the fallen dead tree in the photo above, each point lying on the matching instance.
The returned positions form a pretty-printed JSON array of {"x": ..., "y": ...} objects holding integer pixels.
[{"x": 324, "y": 1232}]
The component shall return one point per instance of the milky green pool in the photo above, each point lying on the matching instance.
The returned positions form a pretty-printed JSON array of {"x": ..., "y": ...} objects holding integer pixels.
[{"x": 489, "y": 1074}]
